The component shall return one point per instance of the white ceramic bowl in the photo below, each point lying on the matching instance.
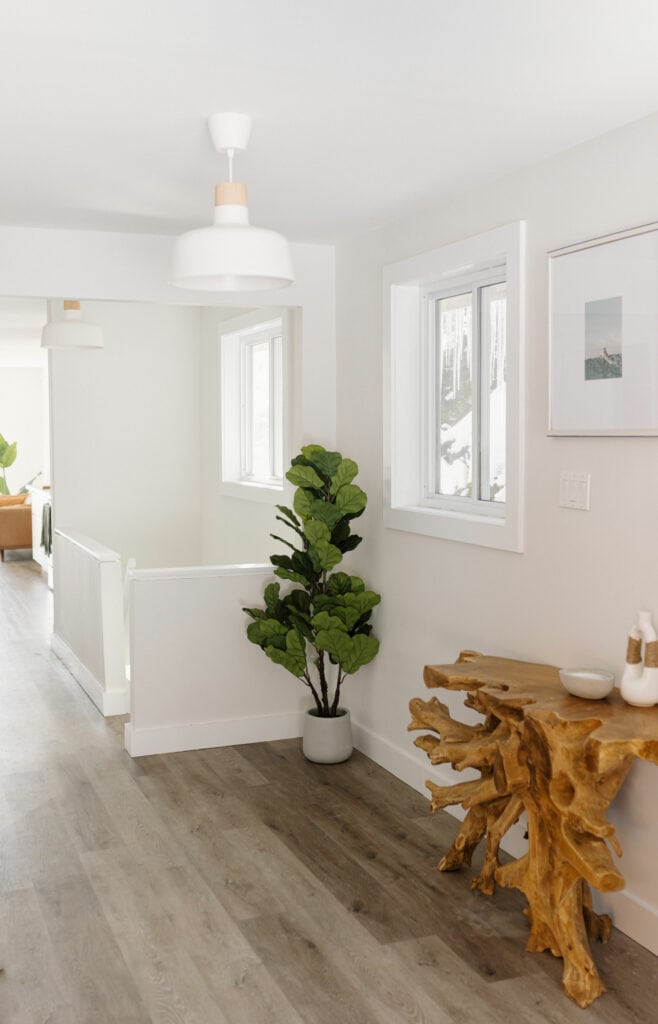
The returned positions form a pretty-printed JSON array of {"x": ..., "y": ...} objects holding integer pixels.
[{"x": 590, "y": 683}]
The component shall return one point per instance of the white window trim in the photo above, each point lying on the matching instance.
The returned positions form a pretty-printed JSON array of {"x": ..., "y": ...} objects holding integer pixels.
[
  {"x": 231, "y": 483},
  {"x": 406, "y": 392}
]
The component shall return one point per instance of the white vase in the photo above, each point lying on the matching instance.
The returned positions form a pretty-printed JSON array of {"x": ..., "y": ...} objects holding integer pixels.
[
  {"x": 639, "y": 683},
  {"x": 327, "y": 740}
]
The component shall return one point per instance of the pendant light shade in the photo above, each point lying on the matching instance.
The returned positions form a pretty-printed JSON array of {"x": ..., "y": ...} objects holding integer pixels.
[
  {"x": 231, "y": 255},
  {"x": 72, "y": 331}
]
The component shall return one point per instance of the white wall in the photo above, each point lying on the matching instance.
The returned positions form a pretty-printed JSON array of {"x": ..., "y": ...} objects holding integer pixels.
[
  {"x": 89, "y": 628},
  {"x": 572, "y": 595},
  {"x": 22, "y": 419},
  {"x": 126, "y": 433},
  {"x": 196, "y": 679},
  {"x": 233, "y": 530}
]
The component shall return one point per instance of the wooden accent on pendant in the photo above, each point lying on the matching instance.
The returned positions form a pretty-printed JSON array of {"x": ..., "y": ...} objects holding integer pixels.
[
  {"x": 71, "y": 304},
  {"x": 231, "y": 193},
  {"x": 560, "y": 759}
]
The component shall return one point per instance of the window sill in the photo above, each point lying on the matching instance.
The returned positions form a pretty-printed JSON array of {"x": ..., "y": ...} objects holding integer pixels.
[
  {"x": 487, "y": 531},
  {"x": 270, "y": 495}
]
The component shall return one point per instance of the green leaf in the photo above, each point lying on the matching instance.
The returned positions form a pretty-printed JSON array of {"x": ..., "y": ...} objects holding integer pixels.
[
  {"x": 304, "y": 476},
  {"x": 305, "y": 565},
  {"x": 271, "y": 596},
  {"x": 3, "y": 486},
  {"x": 282, "y": 561},
  {"x": 348, "y": 616},
  {"x": 326, "y": 463},
  {"x": 324, "y": 620},
  {"x": 255, "y": 613},
  {"x": 289, "y": 515},
  {"x": 282, "y": 540},
  {"x": 350, "y": 499},
  {"x": 342, "y": 538},
  {"x": 325, "y": 512},
  {"x": 324, "y": 603},
  {"x": 262, "y": 630},
  {"x": 351, "y": 652},
  {"x": 325, "y": 555},
  {"x": 339, "y": 583},
  {"x": 300, "y": 600},
  {"x": 363, "y": 601},
  {"x": 357, "y": 584},
  {"x": 8, "y": 456},
  {"x": 309, "y": 450},
  {"x": 289, "y": 574},
  {"x": 303, "y": 502},
  {"x": 351, "y": 543},
  {"x": 344, "y": 474},
  {"x": 316, "y": 531},
  {"x": 293, "y": 657}
]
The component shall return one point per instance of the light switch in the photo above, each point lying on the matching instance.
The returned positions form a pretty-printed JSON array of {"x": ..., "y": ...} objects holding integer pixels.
[{"x": 574, "y": 490}]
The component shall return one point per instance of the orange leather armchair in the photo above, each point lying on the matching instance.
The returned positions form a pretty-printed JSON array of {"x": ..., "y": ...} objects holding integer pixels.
[{"x": 15, "y": 528}]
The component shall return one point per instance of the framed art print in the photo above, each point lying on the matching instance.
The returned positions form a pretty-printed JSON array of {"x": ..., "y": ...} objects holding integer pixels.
[{"x": 603, "y": 297}]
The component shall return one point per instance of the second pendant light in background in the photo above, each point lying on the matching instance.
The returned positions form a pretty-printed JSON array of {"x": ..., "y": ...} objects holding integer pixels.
[{"x": 71, "y": 331}]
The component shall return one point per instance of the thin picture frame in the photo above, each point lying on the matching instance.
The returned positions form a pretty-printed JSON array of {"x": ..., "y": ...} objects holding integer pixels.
[{"x": 603, "y": 336}]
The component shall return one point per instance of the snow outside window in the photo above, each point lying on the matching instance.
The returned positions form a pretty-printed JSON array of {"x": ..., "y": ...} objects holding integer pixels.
[{"x": 467, "y": 348}]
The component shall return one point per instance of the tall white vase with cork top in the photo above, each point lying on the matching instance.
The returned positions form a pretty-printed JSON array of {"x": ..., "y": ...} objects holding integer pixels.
[{"x": 639, "y": 683}]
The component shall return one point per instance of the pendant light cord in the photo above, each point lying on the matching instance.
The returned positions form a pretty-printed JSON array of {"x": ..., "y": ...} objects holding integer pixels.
[{"x": 230, "y": 154}]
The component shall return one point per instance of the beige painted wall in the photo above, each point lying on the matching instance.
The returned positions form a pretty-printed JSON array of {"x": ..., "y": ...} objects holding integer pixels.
[{"x": 572, "y": 595}]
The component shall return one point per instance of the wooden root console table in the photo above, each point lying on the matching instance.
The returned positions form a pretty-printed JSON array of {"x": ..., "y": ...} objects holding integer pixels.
[{"x": 562, "y": 760}]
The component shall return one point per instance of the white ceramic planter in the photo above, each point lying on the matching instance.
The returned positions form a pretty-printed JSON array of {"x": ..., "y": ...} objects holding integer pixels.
[{"x": 327, "y": 740}]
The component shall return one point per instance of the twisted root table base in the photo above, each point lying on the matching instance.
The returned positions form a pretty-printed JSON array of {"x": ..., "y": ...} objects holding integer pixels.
[{"x": 561, "y": 760}]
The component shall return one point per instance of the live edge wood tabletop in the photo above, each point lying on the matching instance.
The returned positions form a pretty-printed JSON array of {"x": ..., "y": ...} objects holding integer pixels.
[{"x": 562, "y": 760}]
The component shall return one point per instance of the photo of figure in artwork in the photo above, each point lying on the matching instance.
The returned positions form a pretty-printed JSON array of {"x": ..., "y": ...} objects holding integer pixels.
[{"x": 603, "y": 338}]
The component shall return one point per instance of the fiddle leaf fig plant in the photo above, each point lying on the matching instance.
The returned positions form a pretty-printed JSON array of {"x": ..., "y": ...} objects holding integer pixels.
[
  {"x": 8, "y": 454},
  {"x": 319, "y": 630}
]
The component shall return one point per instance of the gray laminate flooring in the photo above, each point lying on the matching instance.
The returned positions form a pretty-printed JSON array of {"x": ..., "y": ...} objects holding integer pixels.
[{"x": 240, "y": 884}]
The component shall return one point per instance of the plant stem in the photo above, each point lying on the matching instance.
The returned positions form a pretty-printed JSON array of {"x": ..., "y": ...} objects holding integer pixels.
[
  {"x": 307, "y": 682},
  {"x": 323, "y": 684},
  {"x": 334, "y": 706}
]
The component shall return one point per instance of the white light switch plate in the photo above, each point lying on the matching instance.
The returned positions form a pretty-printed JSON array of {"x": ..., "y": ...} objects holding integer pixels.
[{"x": 575, "y": 490}]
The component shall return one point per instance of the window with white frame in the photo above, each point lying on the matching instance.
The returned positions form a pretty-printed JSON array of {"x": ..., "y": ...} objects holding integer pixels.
[
  {"x": 453, "y": 401},
  {"x": 253, "y": 373},
  {"x": 466, "y": 342}
]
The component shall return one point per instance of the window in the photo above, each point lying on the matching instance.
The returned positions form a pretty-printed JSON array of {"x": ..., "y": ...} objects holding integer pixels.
[
  {"x": 262, "y": 413},
  {"x": 466, "y": 338},
  {"x": 253, "y": 394},
  {"x": 453, "y": 396}
]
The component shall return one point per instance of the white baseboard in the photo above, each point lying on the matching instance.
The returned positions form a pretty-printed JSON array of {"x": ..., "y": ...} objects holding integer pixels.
[
  {"x": 632, "y": 916},
  {"x": 223, "y": 732},
  {"x": 108, "y": 702},
  {"x": 404, "y": 764}
]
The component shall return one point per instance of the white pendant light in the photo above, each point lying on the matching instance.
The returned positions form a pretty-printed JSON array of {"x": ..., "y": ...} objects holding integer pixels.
[
  {"x": 231, "y": 256},
  {"x": 72, "y": 331}
]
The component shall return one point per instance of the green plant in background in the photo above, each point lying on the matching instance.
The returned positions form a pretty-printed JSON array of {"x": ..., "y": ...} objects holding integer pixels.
[
  {"x": 7, "y": 458},
  {"x": 319, "y": 630},
  {"x": 8, "y": 453}
]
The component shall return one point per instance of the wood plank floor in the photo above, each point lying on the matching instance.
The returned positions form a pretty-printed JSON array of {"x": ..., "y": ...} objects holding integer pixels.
[{"x": 239, "y": 885}]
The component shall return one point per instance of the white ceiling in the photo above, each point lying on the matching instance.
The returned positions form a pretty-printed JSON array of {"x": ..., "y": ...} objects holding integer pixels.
[{"x": 365, "y": 109}]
